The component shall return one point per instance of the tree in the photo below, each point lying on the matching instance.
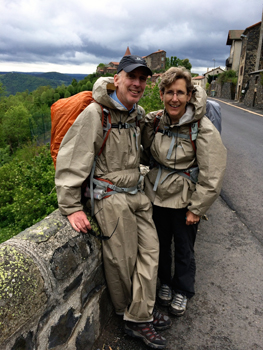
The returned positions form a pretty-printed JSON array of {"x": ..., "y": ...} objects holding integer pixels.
[
  {"x": 210, "y": 78},
  {"x": 185, "y": 63},
  {"x": 2, "y": 90},
  {"x": 74, "y": 82},
  {"x": 15, "y": 126},
  {"x": 71, "y": 89},
  {"x": 228, "y": 76},
  {"x": 56, "y": 96},
  {"x": 151, "y": 100},
  {"x": 89, "y": 86},
  {"x": 67, "y": 94},
  {"x": 176, "y": 62}
]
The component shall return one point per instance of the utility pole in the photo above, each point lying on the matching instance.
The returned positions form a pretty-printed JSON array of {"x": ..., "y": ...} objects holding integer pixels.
[{"x": 214, "y": 68}]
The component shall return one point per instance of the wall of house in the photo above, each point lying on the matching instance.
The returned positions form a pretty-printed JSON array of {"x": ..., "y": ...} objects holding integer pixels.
[
  {"x": 156, "y": 60},
  {"x": 199, "y": 83},
  {"x": 212, "y": 72},
  {"x": 254, "y": 95},
  {"x": 236, "y": 55},
  {"x": 241, "y": 69},
  {"x": 52, "y": 288},
  {"x": 251, "y": 47}
]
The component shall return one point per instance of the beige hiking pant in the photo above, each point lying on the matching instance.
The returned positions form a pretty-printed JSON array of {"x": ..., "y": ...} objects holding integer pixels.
[{"x": 131, "y": 255}]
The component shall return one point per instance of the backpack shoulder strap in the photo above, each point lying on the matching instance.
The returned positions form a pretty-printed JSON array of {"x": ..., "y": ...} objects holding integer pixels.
[
  {"x": 106, "y": 125},
  {"x": 156, "y": 122},
  {"x": 139, "y": 115},
  {"x": 193, "y": 131}
]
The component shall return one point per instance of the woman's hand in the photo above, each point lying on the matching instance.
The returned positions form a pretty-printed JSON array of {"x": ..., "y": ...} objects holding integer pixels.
[{"x": 191, "y": 218}]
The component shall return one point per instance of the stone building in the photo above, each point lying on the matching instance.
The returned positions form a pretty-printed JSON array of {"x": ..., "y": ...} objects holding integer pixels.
[
  {"x": 156, "y": 60},
  {"x": 251, "y": 63},
  {"x": 200, "y": 80},
  {"x": 212, "y": 72},
  {"x": 234, "y": 39},
  {"x": 254, "y": 94}
]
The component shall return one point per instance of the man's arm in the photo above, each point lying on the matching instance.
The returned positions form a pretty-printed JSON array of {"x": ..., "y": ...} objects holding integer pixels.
[{"x": 74, "y": 163}]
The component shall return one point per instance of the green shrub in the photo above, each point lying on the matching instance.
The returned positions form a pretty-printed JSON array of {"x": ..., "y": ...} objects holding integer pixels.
[
  {"x": 27, "y": 193},
  {"x": 228, "y": 76},
  {"x": 151, "y": 100}
]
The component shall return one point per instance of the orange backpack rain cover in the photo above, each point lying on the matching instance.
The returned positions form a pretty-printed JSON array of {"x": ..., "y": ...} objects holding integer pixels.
[{"x": 63, "y": 114}]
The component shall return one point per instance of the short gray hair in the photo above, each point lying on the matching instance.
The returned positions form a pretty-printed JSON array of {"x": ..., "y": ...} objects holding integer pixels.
[{"x": 174, "y": 73}]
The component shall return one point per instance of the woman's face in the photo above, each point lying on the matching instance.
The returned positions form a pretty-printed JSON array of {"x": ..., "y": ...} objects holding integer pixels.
[{"x": 175, "y": 98}]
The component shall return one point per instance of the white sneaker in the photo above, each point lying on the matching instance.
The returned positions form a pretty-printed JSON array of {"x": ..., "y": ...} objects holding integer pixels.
[
  {"x": 164, "y": 295},
  {"x": 178, "y": 304}
]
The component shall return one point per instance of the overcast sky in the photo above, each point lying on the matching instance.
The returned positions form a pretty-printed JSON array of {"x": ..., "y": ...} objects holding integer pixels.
[{"x": 74, "y": 36}]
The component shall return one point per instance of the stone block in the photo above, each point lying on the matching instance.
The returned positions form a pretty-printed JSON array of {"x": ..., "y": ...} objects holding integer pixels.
[
  {"x": 22, "y": 290},
  {"x": 61, "y": 332}
]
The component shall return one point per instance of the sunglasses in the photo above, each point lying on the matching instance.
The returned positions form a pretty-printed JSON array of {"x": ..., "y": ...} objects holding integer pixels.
[{"x": 101, "y": 236}]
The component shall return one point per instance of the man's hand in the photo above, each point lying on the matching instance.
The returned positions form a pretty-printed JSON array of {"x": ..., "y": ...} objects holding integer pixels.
[
  {"x": 79, "y": 221},
  {"x": 191, "y": 218}
]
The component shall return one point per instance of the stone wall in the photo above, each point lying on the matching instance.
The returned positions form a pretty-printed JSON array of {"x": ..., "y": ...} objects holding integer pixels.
[
  {"x": 52, "y": 291},
  {"x": 254, "y": 94},
  {"x": 251, "y": 47},
  {"x": 226, "y": 90}
]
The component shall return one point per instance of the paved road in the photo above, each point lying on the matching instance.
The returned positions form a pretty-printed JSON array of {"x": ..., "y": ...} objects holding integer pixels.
[
  {"x": 242, "y": 189},
  {"x": 227, "y": 310}
]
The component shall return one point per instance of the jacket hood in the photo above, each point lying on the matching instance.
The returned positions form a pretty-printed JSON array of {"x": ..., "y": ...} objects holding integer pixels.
[
  {"x": 101, "y": 90},
  {"x": 196, "y": 107}
]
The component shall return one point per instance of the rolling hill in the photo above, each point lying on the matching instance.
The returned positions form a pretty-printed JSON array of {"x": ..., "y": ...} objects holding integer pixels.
[{"x": 18, "y": 82}]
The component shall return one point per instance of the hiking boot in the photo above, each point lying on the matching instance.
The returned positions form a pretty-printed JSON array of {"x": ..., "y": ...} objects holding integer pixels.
[
  {"x": 146, "y": 332},
  {"x": 160, "y": 321},
  {"x": 178, "y": 304},
  {"x": 164, "y": 295}
]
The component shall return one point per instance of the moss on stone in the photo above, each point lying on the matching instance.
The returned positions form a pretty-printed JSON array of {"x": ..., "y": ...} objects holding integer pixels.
[
  {"x": 22, "y": 291},
  {"x": 41, "y": 231}
]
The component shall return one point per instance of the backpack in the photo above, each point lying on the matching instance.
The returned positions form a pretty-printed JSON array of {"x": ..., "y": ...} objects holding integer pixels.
[
  {"x": 63, "y": 114},
  {"x": 213, "y": 112}
]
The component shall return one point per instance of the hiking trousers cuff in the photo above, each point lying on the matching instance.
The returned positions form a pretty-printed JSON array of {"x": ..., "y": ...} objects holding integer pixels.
[{"x": 128, "y": 317}]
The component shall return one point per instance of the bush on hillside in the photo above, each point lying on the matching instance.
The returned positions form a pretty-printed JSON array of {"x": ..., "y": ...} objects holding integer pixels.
[{"x": 27, "y": 192}]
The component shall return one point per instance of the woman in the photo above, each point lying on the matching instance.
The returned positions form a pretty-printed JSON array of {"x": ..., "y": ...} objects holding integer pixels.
[{"x": 187, "y": 164}]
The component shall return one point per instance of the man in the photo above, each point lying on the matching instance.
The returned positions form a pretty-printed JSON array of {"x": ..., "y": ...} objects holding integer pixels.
[{"x": 124, "y": 214}]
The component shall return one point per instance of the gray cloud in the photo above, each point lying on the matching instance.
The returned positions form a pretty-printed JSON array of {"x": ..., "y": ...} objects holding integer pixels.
[{"x": 76, "y": 33}]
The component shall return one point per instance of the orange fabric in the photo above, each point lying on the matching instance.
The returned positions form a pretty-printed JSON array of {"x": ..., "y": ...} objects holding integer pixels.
[
  {"x": 109, "y": 182},
  {"x": 63, "y": 114}
]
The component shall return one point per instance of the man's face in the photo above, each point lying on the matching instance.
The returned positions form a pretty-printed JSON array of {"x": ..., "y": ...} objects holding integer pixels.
[{"x": 130, "y": 86}]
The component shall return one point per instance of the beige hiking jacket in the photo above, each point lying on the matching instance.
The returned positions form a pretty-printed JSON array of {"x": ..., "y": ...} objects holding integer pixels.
[
  {"x": 119, "y": 160},
  {"x": 174, "y": 190}
]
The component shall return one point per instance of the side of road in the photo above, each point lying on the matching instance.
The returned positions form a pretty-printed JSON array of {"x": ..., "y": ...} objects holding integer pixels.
[
  {"x": 237, "y": 104},
  {"x": 227, "y": 310}
]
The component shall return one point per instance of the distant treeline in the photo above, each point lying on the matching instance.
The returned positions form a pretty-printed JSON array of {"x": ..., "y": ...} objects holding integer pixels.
[{"x": 18, "y": 82}]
